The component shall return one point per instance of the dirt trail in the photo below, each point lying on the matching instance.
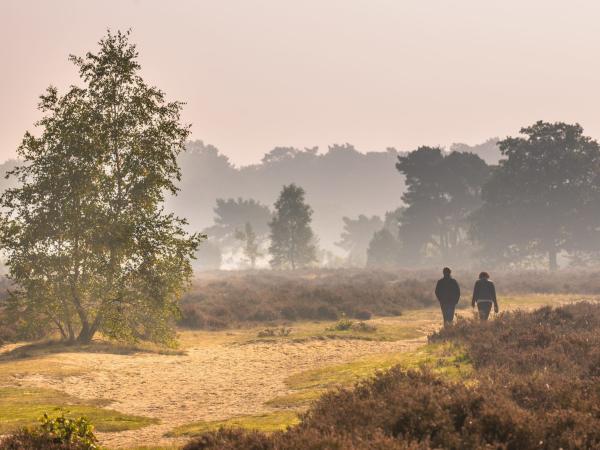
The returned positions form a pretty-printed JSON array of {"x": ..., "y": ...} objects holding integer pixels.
[{"x": 210, "y": 382}]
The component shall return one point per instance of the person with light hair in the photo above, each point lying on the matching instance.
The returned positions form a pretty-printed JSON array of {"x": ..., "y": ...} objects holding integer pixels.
[{"x": 484, "y": 296}]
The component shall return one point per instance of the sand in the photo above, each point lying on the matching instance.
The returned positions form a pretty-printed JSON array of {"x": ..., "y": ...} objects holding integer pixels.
[{"x": 213, "y": 381}]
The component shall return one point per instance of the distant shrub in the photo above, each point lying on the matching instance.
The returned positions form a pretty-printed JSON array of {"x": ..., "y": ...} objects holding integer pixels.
[
  {"x": 344, "y": 324},
  {"x": 275, "y": 332},
  {"x": 363, "y": 327}
]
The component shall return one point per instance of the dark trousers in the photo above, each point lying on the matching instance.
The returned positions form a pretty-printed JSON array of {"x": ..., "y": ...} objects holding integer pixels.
[
  {"x": 484, "y": 309},
  {"x": 448, "y": 311}
]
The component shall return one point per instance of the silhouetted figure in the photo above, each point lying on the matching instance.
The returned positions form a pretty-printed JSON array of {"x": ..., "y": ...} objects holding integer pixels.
[
  {"x": 447, "y": 292},
  {"x": 484, "y": 296}
]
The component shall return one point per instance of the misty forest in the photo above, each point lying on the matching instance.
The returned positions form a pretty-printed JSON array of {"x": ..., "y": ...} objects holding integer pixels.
[{"x": 157, "y": 295}]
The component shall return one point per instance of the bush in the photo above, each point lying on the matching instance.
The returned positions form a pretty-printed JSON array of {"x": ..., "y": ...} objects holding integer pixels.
[
  {"x": 274, "y": 332},
  {"x": 344, "y": 324},
  {"x": 364, "y": 327},
  {"x": 54, "y": 434}
]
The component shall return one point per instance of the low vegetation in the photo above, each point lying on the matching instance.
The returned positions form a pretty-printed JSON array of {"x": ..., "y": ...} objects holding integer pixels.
[
  {"x": 534, "y": 386},
  {"x": 217, "y": 301},
  {"x": 267, "y": 423},
  {"x": 23, "y": 407}
]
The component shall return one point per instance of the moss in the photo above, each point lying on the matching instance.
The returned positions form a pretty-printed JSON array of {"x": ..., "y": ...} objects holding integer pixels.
[
  {"x": 24, "y": 407},
  {"x": 267, "y": 423}
]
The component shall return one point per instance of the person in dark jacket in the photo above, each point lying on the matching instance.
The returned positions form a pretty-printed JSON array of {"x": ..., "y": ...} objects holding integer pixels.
[
  {"x": 447, "y": 292},
  {"x": 484, "y": 296}
]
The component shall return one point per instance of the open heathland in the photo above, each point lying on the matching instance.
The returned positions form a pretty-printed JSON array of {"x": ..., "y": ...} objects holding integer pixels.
[
  {"x": 535, "y": 385},
  {"x": 219, "y": 300}
]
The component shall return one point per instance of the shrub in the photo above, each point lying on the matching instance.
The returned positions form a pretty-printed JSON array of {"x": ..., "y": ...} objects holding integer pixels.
[
  {"x": 54, "y": 434},
  {"x": 274, "y": 332},
  {"x": 344, "y": 324},
  {"x": 364, "y": 327}
]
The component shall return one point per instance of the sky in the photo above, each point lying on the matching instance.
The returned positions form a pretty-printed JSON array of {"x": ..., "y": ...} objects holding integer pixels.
[{"x": 256, "y": 74}]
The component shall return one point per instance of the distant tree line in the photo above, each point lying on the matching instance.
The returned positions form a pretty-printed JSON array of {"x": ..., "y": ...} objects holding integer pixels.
[{"x": 539, "y": 203}]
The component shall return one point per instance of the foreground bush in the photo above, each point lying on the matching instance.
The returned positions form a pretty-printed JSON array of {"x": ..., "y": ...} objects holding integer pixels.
[
  {"x": 537, "y": 387},
  {"x": 54, "y": 434}
]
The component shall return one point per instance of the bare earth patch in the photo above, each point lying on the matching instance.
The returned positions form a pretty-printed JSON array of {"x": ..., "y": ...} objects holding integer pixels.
[{"x": 210, "y": 382}]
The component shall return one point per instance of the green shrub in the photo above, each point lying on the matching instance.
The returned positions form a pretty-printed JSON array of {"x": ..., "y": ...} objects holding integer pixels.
[{"x": 59, "y": 433}]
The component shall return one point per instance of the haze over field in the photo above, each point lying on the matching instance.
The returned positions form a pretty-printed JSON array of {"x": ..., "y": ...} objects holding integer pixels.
[
  {"x": 266, "y": 73},
  {"x": 223, "y": 224}
]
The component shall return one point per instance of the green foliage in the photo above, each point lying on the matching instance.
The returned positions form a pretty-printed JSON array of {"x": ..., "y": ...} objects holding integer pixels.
[
  {"x": 86, "y": 238},
  {"x": 343, "y": 324},
  {"x": 292, "y": 239},
  {"x": 63, "y": 429},
  {"x": 543, "y": 198}
]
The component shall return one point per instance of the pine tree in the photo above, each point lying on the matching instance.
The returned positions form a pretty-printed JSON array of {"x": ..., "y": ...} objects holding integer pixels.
[{"x": 292, "y": 239}]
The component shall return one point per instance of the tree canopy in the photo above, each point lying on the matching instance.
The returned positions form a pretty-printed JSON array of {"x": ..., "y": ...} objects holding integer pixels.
[
  {"x": 292, "y": 239},
  {"x": 544, "y": 197},
  {"x": 86, "y": 238}
]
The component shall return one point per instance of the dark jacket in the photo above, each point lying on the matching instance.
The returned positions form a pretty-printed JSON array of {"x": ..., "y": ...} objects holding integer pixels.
[
  {"x": 484, "y": 289},
  {"x": 447, "y": 291}
]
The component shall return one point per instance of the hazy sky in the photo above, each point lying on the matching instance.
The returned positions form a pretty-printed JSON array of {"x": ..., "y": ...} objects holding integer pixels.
[{"x": 262, "y": 73}]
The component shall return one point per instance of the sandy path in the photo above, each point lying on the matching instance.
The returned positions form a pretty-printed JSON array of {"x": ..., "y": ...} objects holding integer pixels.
[{"x": 211, "y": 382}]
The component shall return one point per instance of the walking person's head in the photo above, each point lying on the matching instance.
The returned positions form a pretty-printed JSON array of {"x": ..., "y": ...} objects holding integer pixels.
[
  {"x": 484, "y": 276},
  {"x": 446, "y": 271}
]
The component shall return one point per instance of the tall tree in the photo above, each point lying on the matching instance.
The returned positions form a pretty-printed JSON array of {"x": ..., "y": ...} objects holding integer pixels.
[
  {"x": 544, "y": 197},
  {"x": 86, "y": 239},
  {"x": 292, "y": 239},
  {"x": 442, "y": 191},
  {"x": 356, "y": 237}
]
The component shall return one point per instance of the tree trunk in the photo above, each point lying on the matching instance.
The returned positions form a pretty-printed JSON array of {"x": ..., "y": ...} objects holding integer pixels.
[
  {"x": 552, "y": 263},
  {"x": 85, "y": 335}
]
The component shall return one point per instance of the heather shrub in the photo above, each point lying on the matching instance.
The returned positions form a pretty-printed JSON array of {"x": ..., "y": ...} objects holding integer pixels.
[{"x": 270, "y": 297}]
